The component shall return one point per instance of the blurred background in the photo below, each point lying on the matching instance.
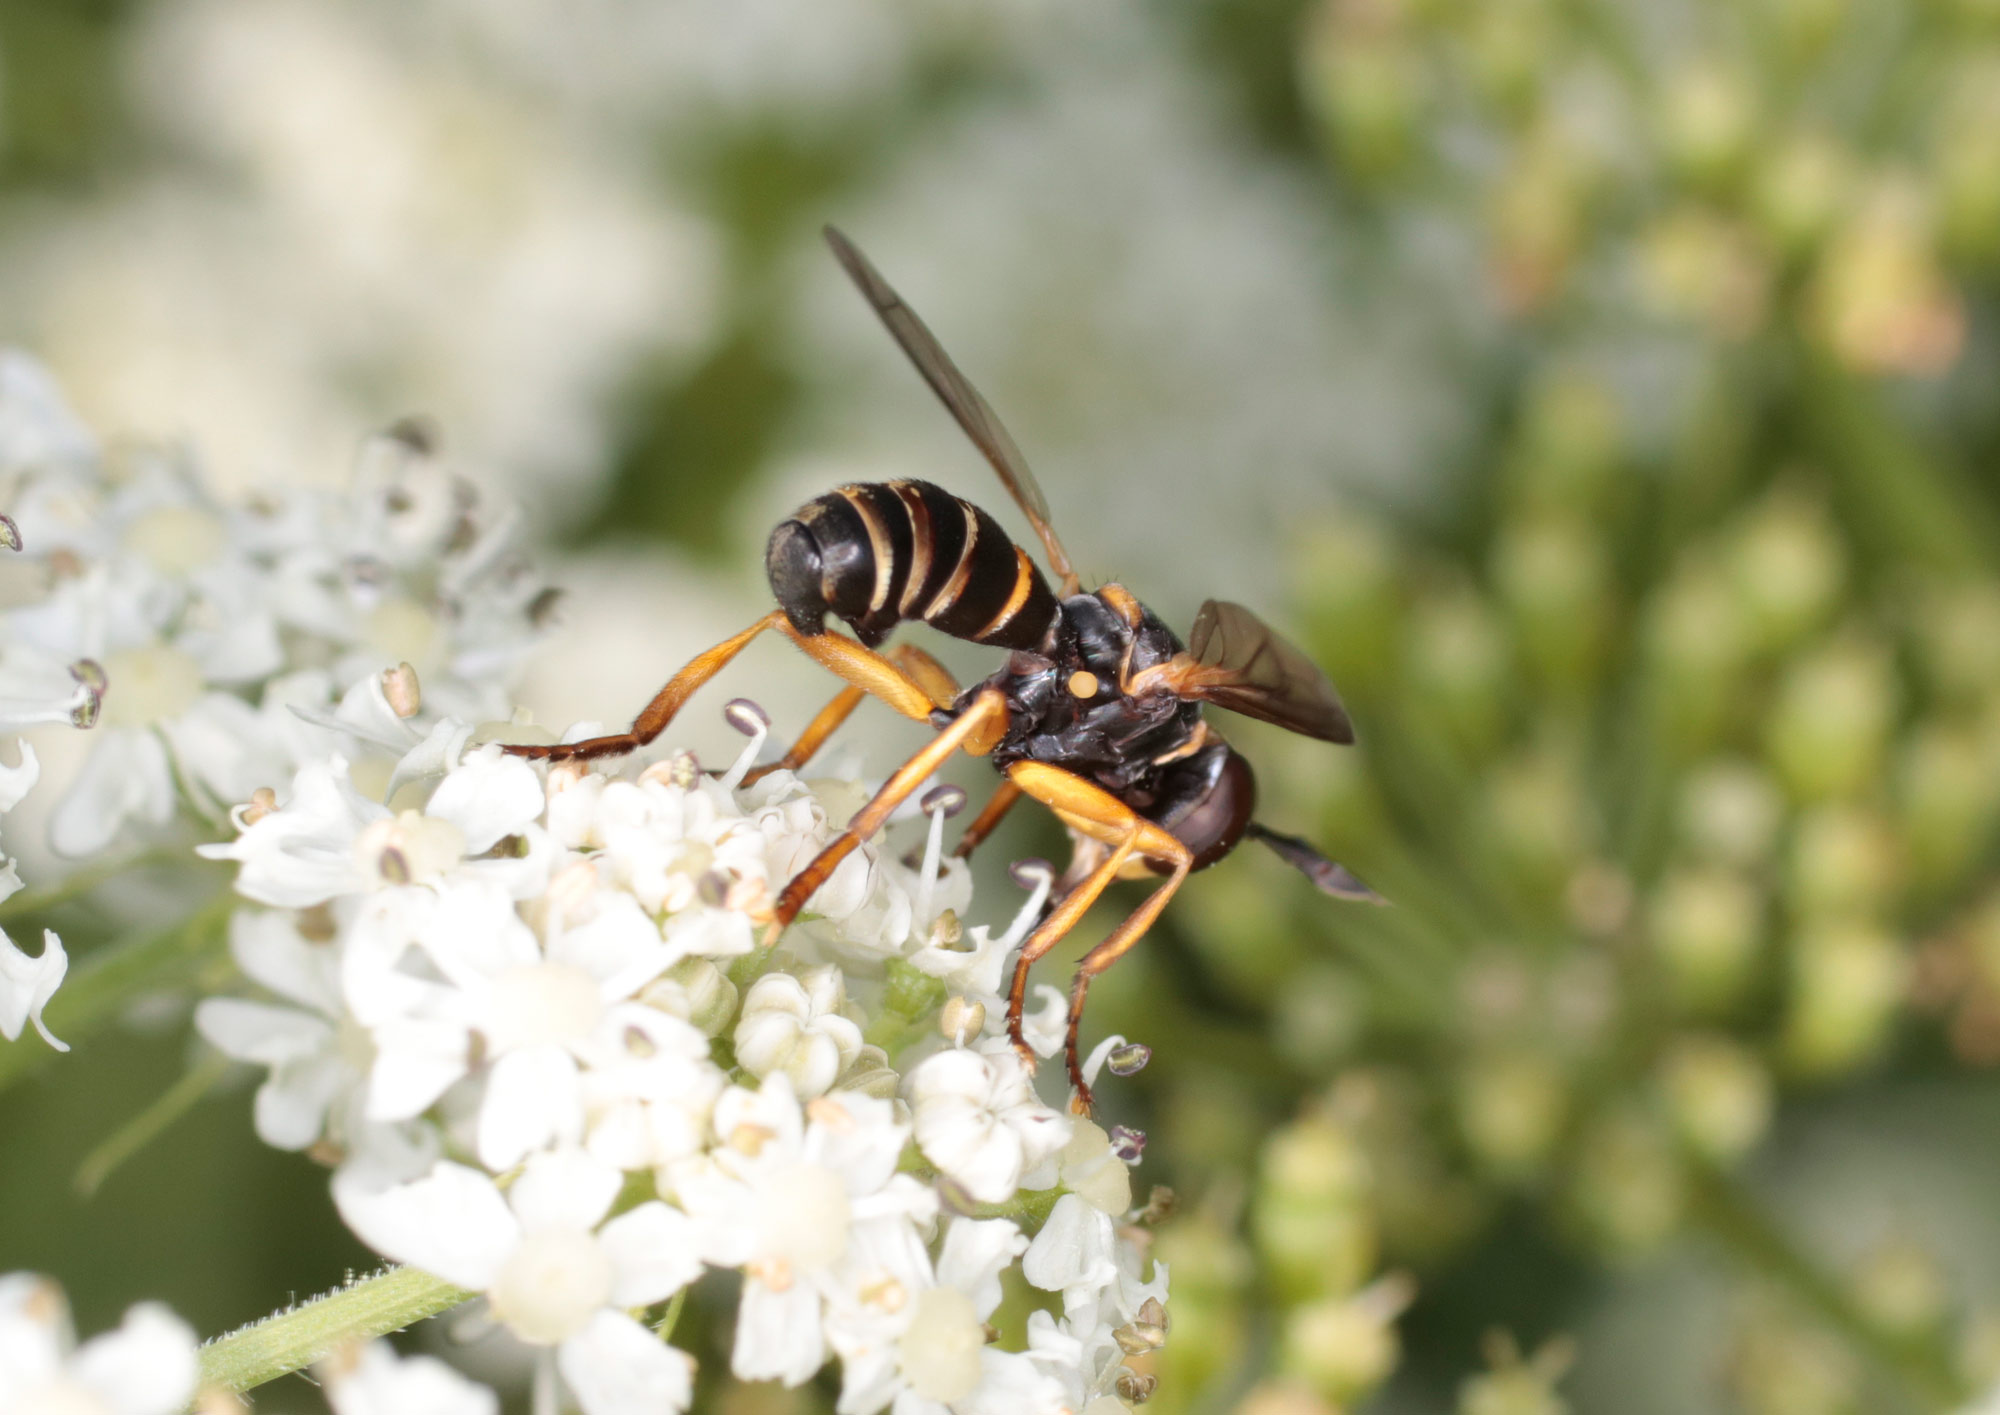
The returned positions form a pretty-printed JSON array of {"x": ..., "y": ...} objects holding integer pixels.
[{"x": 1604, "y": 390}]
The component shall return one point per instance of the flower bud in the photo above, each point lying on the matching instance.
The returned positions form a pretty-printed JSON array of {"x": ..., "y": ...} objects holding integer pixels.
[
  {"x": 1730, "y": 813},
  {"x": 1366, "y": 81},
  {"x": 1697, "y": 266},
  {"x": 1565, "y": 457},
  {"x": 697, "y": 990},
  {"x": 1697, "y": 644},
  {"x": 1844, "y": 864},
  {"x": 1958, "y": 637},
  {"x": 1514, "y": 1386},
  {"x": 1511, "y": 1109},
  {"x": 1456, "y": 676},
  {"x": 1802, "y": 184},
  {"x": 1787, "y": 566},
  {"x": 1310, "y": 1218},
  {"x": 1780, "y": 1366},
  {"x": 1537, "y": 818},
  {"x": 1628, "y": 1186},
  {"x": 1706, "y": 121},
  {"x": 1946, "y": 800},
  {"x": 1707, "y": 928},
  {"x": 1967, "y": 163},
  {"x": 1344, "y": 578},
  {"x": 1211, "y": 1271},
  {"x": 1847, "y": 981},
  {"x": 1830, "y": 725},
  {"x": 1901, "y": 1288},
  {"x": 1880, "y": 300},
  {"x": 1556, "y": 583},
  {"x": 1719, "y": 1095},
  {"x": 1345, "y": 1347}
]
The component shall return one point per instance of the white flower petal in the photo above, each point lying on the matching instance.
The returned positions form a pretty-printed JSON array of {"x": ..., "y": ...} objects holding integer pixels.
[
  {"x": 533, "y": 1099},
  {"x": 146, "y": 1367},
  {"x": 375, "y": 1381},
  {"x": 617, "y": 1367},
  {"x": 292, "y": 1105},
  {"x": 18, "y": 781},
  {"x": 778, "y": 1334},
  {"x": 653, "y": 1253},
  {"x": 451, "y": 1223},
  {"x": 489, "y": 796},
  {"x": 975, "y": 1253},
  {"x": 1073, "y": 1249},
  {"x": 126, "y": 777},
  {"x": 270, "y": 950},
  {"x": 259, "y": 1031},
  {"x": 563, "y": 1189},
  {"x": 26, "y": 985}
]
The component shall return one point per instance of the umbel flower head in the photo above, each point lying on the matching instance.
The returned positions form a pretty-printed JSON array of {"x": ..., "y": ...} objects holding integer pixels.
[
  {"x": 204, "y": 643},
  {"x": 523, "y": 1012}
]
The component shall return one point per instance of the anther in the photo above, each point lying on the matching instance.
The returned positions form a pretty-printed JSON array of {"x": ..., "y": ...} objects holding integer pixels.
[
  {"x": 746, "y": 717},
  {"x": 1128, "y": 1144},
  {"x": 416, "y": 433},
  {"x": 753, "y": 722},
  {"x": 401, "y": 688},
  {"x": 1128, "y": 1060},
  {"x": 394, "y": 865},
  {"x": 10, "y": 534},
  {"x": 1032, "y": 872},
  {"x": 946, "y": 801},
  {"x": 961, "y": 1017},
  {"x": 713, "y": 888},
  {"x": 263, "y": 801},
  {"x": 90, "y": 673},
  {"x": 1138, "y": 1338},
  {"x": 1134, "y": 1388}
]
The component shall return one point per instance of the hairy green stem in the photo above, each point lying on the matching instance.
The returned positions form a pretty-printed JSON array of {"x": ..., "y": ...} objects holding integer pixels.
[
  {"x": 291, "y": 1340},
  {"x": 1920, "y": 1363},
  {"x": 104, "y": 984}
]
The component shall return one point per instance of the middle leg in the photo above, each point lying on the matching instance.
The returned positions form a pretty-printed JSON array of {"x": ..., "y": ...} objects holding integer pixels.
[{"x": 975, "y": 730}]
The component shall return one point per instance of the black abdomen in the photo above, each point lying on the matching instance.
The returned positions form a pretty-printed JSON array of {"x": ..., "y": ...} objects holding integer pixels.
[{"x": 878, "y": 553}]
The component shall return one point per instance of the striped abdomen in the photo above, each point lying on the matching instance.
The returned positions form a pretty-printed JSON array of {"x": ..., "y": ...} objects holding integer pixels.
[{"x": 882, "y": 552}]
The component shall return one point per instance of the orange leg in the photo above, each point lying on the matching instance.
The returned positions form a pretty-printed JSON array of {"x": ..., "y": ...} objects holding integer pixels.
[
  {"x": 989, "y": 816},
  {"x": 862, "y": 668},
  {"x": 975, "y": 730},
  {"x": 660, "y": 711},
  {"x": 1096, "y": 813},
  {"x": 923, "y": 670}
]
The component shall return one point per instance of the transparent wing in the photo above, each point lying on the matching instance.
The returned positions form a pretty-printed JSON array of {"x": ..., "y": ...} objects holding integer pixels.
[
  {"x": 1241, "y": 663},
  {"x": 980, "y": 422}
]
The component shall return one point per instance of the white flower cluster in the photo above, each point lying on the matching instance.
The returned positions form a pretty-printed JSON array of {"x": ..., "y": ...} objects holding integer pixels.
[
  {"x": 204, "y": 642},
  {"x": 149, "y": 1366},
  {"x": 525, "y": 1012}
]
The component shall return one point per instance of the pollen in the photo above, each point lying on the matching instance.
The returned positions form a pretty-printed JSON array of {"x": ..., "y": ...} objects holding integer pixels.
[{"x": 1083, "y": 684}]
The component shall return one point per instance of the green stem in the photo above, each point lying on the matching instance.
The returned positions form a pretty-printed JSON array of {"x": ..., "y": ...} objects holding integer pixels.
[
  {"x": 77, "y": 883},
  {"x": 99, "y": 989},
  {"x": 142, "y": 1129},
  {"x": 291, "y": 1340},
  {"x": 1921, "y": 1363},
  {"x": 671, "y": 1318}
]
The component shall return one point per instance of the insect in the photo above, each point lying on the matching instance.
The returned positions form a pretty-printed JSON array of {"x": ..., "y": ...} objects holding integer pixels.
[{"x": 1097, "y": 712}]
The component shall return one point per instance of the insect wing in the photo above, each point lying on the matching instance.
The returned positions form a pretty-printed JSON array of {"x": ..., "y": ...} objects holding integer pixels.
[
  {"x": 973, "y": 413},
  {"x": 1241, "y": 663}
]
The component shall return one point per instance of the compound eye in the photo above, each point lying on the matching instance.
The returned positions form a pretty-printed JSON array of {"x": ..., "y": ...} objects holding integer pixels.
[{"x": 1083, "y": 684}]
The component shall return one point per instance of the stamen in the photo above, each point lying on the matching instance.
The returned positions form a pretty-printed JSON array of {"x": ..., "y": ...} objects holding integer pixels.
[
  {"x": 1128, "y": 1144},
  {"x": 753, "y": 722},
  {"x": 1038, "y": 877},
  {"x": 400, "y": 687},
  {"x": 1126, "y": 1058},
  {"x": 940, "y": 803},
  {"x": 961, "y": 1017},
  {"x": 1134, "y": 1388}
]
